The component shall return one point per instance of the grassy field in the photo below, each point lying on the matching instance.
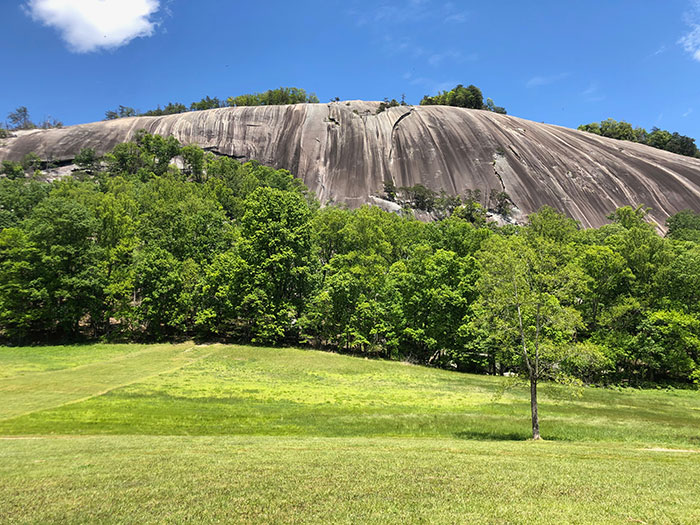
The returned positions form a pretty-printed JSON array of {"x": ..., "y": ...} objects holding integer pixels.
[{"x": 186, "y": 433}]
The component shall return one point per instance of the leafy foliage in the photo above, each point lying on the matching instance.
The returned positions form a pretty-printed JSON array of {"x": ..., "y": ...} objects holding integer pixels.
[
  {"x": 463, "y": 97},
  {"x": 274, "y": 97},
  {"x": 120, "y": 112},
  {"x": 137, "y": 248},
  {"x": 279, "y": 96},
  {"x": 657, "y": 138},
  {"x": 19, "y": 120}
]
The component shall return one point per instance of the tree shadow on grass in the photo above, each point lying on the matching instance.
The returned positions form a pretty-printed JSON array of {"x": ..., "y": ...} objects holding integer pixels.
[{"x": 494, "y": 435}]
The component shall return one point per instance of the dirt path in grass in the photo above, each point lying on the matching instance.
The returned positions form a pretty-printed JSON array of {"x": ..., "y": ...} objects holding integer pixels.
[{"x": 28, "y": 393}]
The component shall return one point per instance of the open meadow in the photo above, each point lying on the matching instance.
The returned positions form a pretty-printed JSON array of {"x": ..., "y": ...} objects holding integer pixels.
[{"x": 221, "y": 433}]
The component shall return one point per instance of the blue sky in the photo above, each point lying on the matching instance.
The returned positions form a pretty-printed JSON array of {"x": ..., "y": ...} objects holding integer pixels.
[{"x": 561, "y": 62}]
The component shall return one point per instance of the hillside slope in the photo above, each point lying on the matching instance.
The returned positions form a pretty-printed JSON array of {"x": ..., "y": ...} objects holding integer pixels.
[
  {"x": 344, "y": 152},
  {"x": 230, "y": 434}
]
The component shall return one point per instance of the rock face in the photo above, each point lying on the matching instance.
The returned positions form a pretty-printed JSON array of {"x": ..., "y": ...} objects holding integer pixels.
[{"x": 344, "y": 152}]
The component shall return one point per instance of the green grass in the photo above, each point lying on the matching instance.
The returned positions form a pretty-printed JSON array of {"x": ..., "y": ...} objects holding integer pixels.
[{"x": 145, "y": 434}]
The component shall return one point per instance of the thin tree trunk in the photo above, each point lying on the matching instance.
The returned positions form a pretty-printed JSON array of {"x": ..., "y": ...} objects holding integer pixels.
[{"x": 533, "y": 407}]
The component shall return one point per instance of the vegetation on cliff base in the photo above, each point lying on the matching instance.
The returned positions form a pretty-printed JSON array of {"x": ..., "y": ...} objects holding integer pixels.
[{"x": 135, "y": 248}]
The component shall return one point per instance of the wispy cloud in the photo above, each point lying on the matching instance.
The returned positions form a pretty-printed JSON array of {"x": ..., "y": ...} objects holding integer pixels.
[
  {"x": 431, "y": 85},
  {"x": 453, "y": 56},
  {"x": 539, "y": 81},
  {"x": 658, "y": 52},
  {"x": 418, "y": 11},
  {"x": 687, "y": 113},
  {"x": 395, "y": 25},
  {"x": 89, "y": 25},
  {"x": 592, "y": 88},
  {"x": 457, "y": 18},
  {"x": 691, "y": 40},
  {"x": 453, "y": 14},
  {"x": 592, "y": 93}
]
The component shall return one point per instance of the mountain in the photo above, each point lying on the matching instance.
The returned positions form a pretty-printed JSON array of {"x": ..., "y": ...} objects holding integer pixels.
[{"x": 345, "y": 151}]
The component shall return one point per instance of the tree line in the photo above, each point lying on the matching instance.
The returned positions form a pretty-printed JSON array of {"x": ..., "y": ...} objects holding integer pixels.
[
  {"x": 272, "y": 97},
  {"x": 656, "y": 138},
  {"x": 135, "y": 248},
  {"x": 19, "y": 119},
  {"x": 463, "y": 97},
  {"x": 460, "y": 96}
]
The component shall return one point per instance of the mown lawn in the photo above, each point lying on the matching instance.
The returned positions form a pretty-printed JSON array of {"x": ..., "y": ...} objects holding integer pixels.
[{"x": 186, "y": 433}]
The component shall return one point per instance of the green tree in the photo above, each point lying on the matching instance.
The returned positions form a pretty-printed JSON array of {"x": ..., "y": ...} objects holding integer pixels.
[
  {"x": 679, "y": 281},
  {"x": 19, "y": 119},
  {"x": 500, "y": 202},
  {"x": 526, "y": 299},
  {"x": 348, "y": 312},
  {"x": 120, "y": 112},
  {"x": 276, "y": 249},
  {"x": 669, "y": 345},
  {"x": 206, "y": 103},
  {"x": 158, "y": 149},
  {"x": 641, "y": 247},
  {"x": 491, "y": 106},
  {"x": 158, "y": 287},
  {"x": 87, "y": 160},
  {"x": 193, "y": 157},
  {"x": 12, "y": 170},
  {"x": 222, "y": 290},
  {"x": 31, "y": 162},
  {"x": 430, "y": 295},
  {"x": 55, "y": 267},
  {"x": 280, "y": 96},
  {"x": 170, "y": 109},
  {"x": 659, "y": 138},
  {"x": 684, "y": 226},
  {"x": 462, "y": 97},
  {"x": 22, "y": 293},
  {"x": 18, "y": 197},
  {"x": 609, "y": 278},
  {"x": 183, "y": 219}
]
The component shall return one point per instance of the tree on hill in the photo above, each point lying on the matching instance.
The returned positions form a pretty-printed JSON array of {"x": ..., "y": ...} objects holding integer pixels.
[
  {"x": 206, "y": 103},
  {"x": 274, "y": 97},
  {"x": 463, "y": 97},
  {"x": 170, "y": 109},
  {"x": 658, "y": 138},
  {"x": 527, "y": 290},
  {"x": 120, "y": 112},
  {"x": 19, "y": 119},
  {"x": 491, "y": 106}
]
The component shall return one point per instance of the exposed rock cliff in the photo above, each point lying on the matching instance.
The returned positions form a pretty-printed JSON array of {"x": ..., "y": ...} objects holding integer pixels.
[{"x": 344, "y": 151}]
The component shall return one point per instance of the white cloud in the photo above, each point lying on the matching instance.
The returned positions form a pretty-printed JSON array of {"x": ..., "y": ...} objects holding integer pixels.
[
  {"x": 89, "y": 25},
  {"x": 457, "y": 18},
  {"x": 431, "y": 85},
  {"x": 592, "y": 93},
  {"x": 691, "y": 40},
  {"x": 545, "y": 81},
  {"x": 591, "y": 90},
  {"x": 451, "y": 56},
  {"x": 658, "y": 52}
]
